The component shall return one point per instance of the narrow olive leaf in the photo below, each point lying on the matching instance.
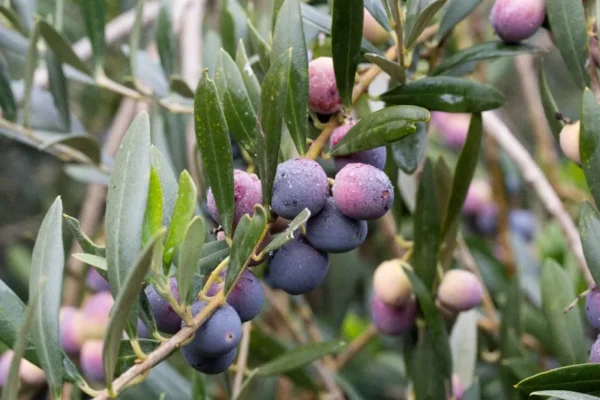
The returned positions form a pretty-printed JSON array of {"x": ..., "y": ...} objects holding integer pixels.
[
  {"x": 31, "y": 60},
  {"x": 99, "y": 263},
  {"x": 483, "y": 51},
  {"x": 422, "y": 21},
  {"x": 465, "y": 170},
  {"x": 10, "y": 391},
  {"x": 393, "y": 69},
  {"x": 126, "y": 198},
  {"x": 126, "y": 298},
  {"x": 409, "y": 151},
  {"x": 237, "y": 106},
  {"x": 189, "y": 257},
  {"x": 61, "y": 47},
  {"x": 85, "y": 242},
  {"x": 147, "y": 315},
  {"x": 268, "y": 140},
  {"x": 59, "y": 89},
  {"x": 456, "y": 11},
  {"x": 566, "y": 329},
  {"x": 435, "y": 323},
  {"x": 381, "y": 128},
  {"x": 568, "y": 26},
  {"x": 430, "y": 385},
  {"x": 549, "y": 104},
  {"x": 248, "y": 237},
  {"x": 375, "y": 7},
  {"x": 260, "y": 46},
  {"x": 276, "y": 7},
  {"x": 290, "y": 232},
  {"x": 85, "y": 144},
  {"x": 427, "y": 228},
  {"x": 168, "y": 183},
  {"x": 165, "y": 38},
  {"x": 182, "y": 214},
  {"x": 589, "y": 229},
  {"x": 14, "y": 20},
  {"x": 589, "y": 142},
  {"x": 134, "y": 38},
  {"x": 12, "y": 310},
  {"x": 234, "y": 24},
  {"x": 444, "y": 93},
  {"x": 511, "y": 321},
  {"x": 299, "y": 356},
  {"x": 178, "y": 85},
  {"x": 473, "y": 392},
  {"x": 583, "y": 378},
  {"x": 346, "y": 36},
  {"x": 564, "y": 395},
  {"x": 248, "y": 75},
  {"x": 154, "y": 208},
  {"x": 94, "y": 16},
  {"x": 199, "y": 387},
  {"x": 212, "y": 135},
  {"x": 71, "y": 374},
  {"x": 46, "y": 275},
  {"x": 213, "y": 253},
  {"x": 127, "y": 357},
  {"x": 463, "y": 343},
  {"x": 289, "y": 32},
  {"x": 7, "y": 99}
]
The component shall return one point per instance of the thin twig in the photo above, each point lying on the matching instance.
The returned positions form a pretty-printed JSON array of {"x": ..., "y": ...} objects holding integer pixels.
[
  {"x": 532, "y": 174},
  {"x": 242, "y": 360},
  {"x": 317, "y": 146},
  {"x": 367, "y": 78},
  {"x": 355, "y": 347}
]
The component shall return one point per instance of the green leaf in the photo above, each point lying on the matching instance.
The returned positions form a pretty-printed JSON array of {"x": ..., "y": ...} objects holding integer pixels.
[
  {"x": 427, "y": 228},
  {"x": 430, "y": 385},
  {"x": 234, "y": 24},
  {"x": 422, "y": 21},
  {"x": 564, "y": 395},
  {"x": 134, "y": 40},
  {"x": 146, "y": 314},
  {"x": 165, "y": 40},
  {"x": 189, "y": 257},
  {"x": 71, "y": 373},
  {"x": 589, "y": 143},
  {"x": 13, "y": 18},
  {"x": 409, "y": 151},
  {"x": 61, "y": 47},
  {"x": 125, "y": 300},
  {"x": 473, "y": 393},
  {"x": 483, "y": 51},
  {"x": 178, "y": 85},
  {"x": 259, "y": 46},
  {"x": 59, "y": 89},
  {"x": 238, "y": 109},
  {"x": 94, "y": 18},
  {"x": 31, "y": 60},
  {"x": 583, "y": 378},
  {"x": 465, "y": 170},
  {"x": 589, "y": 229},
  {"x": 126, "y": 355},
  {"x": 268, "y": 141},
  {"x": 7, "y": 99},
  {"x": 99, "y": 263},
  {"x": 288, "y": 235},
  {"x": 248, "y": 237},
  {"x": 168, "y": 183},
  {"x": 393, "y": 69},
  {"x": 549, "y": 104},
  {"x": 126, "y": 201},
  {"x": 10, "y": 391},
  {"x": 463, "y": 343},
  {"x": 210, "y": 50},
  {"x": 154, "y": 207},
  {"x": 456, "y": 11},
  {"x": 444, "y": 93},
  {"x": 182, "y": 214},
  {"x": 248, "y": 76},
  {"x": 568, "y": 26},
  {"x": 212, "y": 135},
  {"x": 289, "y": 32},
  {"x": 299, "y": 356},
  {"x": 375, "y": 7},
  {"x": 566, "y": 329},
  {"x": 435, "y": 324},
  {"x": 213, "y": 253},
  {"x": 276, "y": 7},
  {"x": 85, "y": 144},
  {"x": 381, "y": 128},
  {"x": 199, "y": 387},
  {"x": 85, "y": 242},
  {"x": 346, "y": 36},
  {"x": 12, "y": 310},
  {"x": 511, "y": 321},
  {"x": 46, "y": 275}
]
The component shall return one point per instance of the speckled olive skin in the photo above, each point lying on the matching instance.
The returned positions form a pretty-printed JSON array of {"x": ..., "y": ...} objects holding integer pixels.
[
  {"x": 460, "y": 290},
  {"x": 96, "y": 282},
  {"x": 363, "y": 192},
  {"x": 300, "y": 183},
  {"x": 208, "y": 365},
  {"x": 517, "y": 20},
  {"x": 91, "y": 360},
  {"x": 323, "y": 95},
  {"x": 70, "y": 327},
  {"x": 453, "y": 127},
  {"x": 247, "y": 192},
  {"x": 297, "y": 267},
  {"x": 167, "y": 320},
  {"x": 220, "y": 334},
  {"x": 592, "y": 308},
  {"x": 375, "y": 157},
  {"x": 333, "y": 232},
  {"x": 393, "y": 320},
  {"x": 391, "y": 284},
  {"x": 247, "y": 296}
]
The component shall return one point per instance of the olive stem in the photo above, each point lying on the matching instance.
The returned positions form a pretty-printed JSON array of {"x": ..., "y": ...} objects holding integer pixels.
[{"x": 355, "y": 346}]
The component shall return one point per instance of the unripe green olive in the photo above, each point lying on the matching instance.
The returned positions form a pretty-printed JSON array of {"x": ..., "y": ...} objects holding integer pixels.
[
  {"x": 569, "y": 141},
  {"x": 391, "y": 284}
]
